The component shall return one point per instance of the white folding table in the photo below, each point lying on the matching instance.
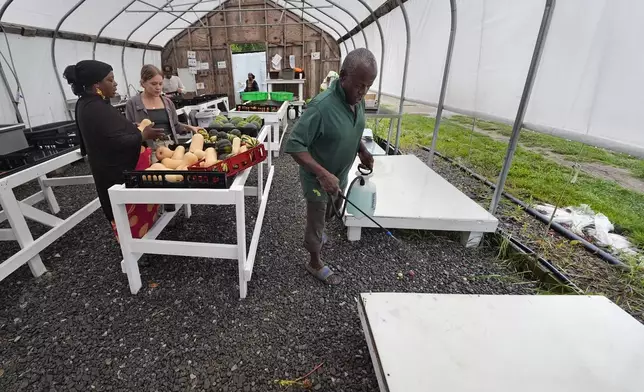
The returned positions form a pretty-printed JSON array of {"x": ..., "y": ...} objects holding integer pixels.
[
  {"x": 410, "y": 195},
  {"x": 16, "y": 212},
  {"x": 501, "y": 343},
  {"x": 132, "y": 249}
]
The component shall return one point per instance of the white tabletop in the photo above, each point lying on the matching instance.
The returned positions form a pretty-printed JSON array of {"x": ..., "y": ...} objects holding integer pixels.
[
  {"x": 472, "y": 343},
  {"x": 410, "y": 195},
  {"x": 285, "y": 81}
]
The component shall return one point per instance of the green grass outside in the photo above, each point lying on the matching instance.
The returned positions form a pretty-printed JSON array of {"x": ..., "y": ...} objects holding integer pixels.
[
  {"x": 532, "y": 176},
  {"x": 573, "y": 151}
]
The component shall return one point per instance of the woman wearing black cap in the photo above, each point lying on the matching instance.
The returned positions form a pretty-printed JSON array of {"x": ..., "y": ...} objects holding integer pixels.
[{"x": 113, "y": 144}]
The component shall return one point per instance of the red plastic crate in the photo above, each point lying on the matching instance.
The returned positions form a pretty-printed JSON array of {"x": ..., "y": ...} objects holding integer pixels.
[{"x": 237, "y": 163}]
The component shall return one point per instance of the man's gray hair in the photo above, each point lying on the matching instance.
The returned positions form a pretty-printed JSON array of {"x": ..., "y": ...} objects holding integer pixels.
[{"x": 359, "y": 57}]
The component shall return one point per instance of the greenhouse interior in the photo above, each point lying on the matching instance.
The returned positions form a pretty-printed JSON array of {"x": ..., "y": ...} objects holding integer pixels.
[{"x": 419, "y": 195}]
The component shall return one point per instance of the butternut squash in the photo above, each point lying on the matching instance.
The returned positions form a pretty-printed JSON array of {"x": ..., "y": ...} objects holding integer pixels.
[
  {"x": 211, "y": 157},
  {"x": 171, "y": 163},
  {"x": 200, "y": 154},
  {"x": 144, "y": 124},
  {"x": 156, "y": 166},
  {"x": 179, "y": 152},
  {"x": 176, "y": 177},
  {"x": 197, "y": 143},
  {"x": 236, "y": 146},
  {"x": 163, "y": 152},
  {"x": 190, "y": 159}
]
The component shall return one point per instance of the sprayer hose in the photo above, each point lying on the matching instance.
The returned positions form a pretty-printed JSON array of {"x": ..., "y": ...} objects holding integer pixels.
[{"x": 344, "y": 207}]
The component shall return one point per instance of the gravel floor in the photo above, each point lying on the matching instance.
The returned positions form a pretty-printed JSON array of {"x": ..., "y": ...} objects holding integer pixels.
[{"x": 78, "y": 328}]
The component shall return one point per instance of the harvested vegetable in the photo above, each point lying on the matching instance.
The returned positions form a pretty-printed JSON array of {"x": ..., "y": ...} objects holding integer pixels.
[
  {"x": 144, "y": 124},
  {"x": 211, "y": 157},
  {"x": 179, "y": 152},
  {"x": 190, "y": 159},
  {"x": 163, "y": 152},
  {"x": 236, "y": 145},
  {"x": 172, "y": 163},
  {"x": 197, "y": 142}
]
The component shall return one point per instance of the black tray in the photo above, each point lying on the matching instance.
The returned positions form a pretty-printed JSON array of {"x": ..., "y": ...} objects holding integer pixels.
[
  {"x": 191, "y": 179},
  {"x": 63, "y": 134},
  {"x": 260, "y": 107}
]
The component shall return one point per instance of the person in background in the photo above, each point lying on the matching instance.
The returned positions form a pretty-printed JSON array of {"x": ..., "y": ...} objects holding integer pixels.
[
  {"x": 251, "y": 83},
  {"x": 325, "y": 142},
  {"x": 171, "y": 83},
  {"x": 159, "y": 109},
  {"x": 112, "y": 143}
]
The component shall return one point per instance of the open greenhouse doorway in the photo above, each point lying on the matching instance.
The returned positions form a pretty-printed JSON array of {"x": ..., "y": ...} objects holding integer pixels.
[{"x": 248, "y": 58}]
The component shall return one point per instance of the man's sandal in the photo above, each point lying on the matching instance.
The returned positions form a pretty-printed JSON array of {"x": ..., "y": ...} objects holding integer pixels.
[{"x": 324, "y": 275}]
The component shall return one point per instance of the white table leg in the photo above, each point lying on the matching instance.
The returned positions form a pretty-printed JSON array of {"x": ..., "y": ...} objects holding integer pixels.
[
  {"x": 471, "y": 239},
  {"x": 276, "y": 139},
  {"x": 241, "y": 243},
  {"x": 125, "y": 238},
  {"x": 21, "y": 230},
  {"x": 188, "y": 211},
  {"x": 49, "y": 195},
  {"x": 354, "y": 233},
  {"x": 260, "y": 183}
]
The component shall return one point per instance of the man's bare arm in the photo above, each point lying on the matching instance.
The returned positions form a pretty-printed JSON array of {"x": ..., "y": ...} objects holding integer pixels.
[{"x": 330, "y": 183}]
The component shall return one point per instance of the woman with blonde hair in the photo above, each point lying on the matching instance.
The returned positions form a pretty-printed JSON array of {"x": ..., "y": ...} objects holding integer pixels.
[{"x": 151, "y": 104}]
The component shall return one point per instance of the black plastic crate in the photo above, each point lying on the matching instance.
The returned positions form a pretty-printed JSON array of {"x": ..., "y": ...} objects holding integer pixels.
[
  {"x": 63, "y": 134},
  {"x": 260, "y": 106},
  {"x": 190, "y": 179}
]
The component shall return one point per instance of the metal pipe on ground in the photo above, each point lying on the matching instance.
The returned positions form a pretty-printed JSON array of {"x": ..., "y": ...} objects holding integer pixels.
[{"x": 545, "y": 219}]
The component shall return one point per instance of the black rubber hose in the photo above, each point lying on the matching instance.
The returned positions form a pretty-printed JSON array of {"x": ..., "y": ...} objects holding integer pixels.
[
  {"x": 556, "y": 226},
  {"x": 344, "y": 206},
  {"x": 522, "y": 248}
]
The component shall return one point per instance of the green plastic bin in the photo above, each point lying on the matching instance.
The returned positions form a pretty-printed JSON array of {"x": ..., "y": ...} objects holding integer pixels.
[
  {"x": 254, "y": 96},
  {"x": 281, "y": 96}
]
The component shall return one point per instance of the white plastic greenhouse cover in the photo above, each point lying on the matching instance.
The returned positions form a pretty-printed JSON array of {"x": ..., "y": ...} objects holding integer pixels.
[{"x": 588, "y": 85}]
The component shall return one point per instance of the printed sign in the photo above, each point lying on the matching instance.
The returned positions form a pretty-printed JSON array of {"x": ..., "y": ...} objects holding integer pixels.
[
  {"x": 315, "y": 56},
  {"x": 191, "y": 54},
  {"x": 193, "y": 70},
  {"x": 204, "y": 66},
  {"x": 221, "y": 64},
  {"x": 192, "y": 62},
  {"x": 200, "y": 86}
]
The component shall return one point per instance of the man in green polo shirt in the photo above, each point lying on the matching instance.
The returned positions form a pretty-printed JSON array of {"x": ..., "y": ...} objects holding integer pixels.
[{"x": 325, "y": 142}]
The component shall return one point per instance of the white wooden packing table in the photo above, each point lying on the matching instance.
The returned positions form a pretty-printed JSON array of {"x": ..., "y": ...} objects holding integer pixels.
[
  {"x": 501, "y": 343},
  {"x": 203, "y": 106},
  {"x": 274, "y": 119},
  {"x": 132, "y": 249},
  {"x": 16, "y": 211},
  {"x": 299, "y": 82},
  {"x": 410, "y": 195}
]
